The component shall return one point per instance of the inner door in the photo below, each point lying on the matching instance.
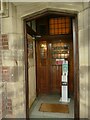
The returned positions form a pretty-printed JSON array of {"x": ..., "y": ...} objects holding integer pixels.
[
  {"x": 50, "y": 54},
  {"x": 55, "y": 68},
  {"x": 42, "y": 67}
]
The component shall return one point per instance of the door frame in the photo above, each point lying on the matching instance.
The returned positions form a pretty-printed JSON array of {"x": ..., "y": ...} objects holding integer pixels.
[{"x": 76, "y": 57}]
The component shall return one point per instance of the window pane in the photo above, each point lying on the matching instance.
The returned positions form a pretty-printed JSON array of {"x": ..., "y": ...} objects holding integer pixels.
[
  {"x": 51, "y": 31},
  {"x": 59, "y": 25}
]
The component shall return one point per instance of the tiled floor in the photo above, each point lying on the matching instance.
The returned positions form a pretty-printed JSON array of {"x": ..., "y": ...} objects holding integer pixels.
[{"x": 35, "y": 113}]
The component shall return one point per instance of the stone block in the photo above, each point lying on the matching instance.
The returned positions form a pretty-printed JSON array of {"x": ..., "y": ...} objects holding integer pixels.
[
  {"x": 16, "y": 42},
  {"x": 4, "y": 41},
  {"x": 5, "y": 74},
  {"x": 0, "y": 58}
]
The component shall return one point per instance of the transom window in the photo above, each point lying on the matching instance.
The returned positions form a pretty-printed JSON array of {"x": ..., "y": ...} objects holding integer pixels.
[
  {"x": 59, "y": 25},
  {"x": 51, "y": 25}
]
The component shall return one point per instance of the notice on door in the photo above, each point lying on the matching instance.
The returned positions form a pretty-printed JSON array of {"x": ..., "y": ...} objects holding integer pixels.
[
  {"x": 59, "y": 61},
  {"x": 65, "y": 68}
]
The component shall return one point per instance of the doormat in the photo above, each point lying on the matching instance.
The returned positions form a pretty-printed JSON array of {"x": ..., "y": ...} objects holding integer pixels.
[{"x": 57, "y": 108}]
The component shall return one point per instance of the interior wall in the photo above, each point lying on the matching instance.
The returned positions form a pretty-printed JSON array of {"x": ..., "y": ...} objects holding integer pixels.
[
  {"x": 13, "y": 26},
  {"x": 31, "y": 73}
]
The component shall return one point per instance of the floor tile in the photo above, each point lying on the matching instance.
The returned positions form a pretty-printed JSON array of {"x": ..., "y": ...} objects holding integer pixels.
[{"x": 35, "y": 113}]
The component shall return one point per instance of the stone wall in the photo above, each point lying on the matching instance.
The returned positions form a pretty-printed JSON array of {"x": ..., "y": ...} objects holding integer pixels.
[
  {"x": 12, "y": 68},
  {"x": 83, "y": 32}
]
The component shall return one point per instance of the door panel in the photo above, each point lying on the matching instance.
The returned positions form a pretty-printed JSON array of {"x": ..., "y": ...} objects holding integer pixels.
[
  {"x": 42, "y": 68},
  {"x": 55, "y": 79}
]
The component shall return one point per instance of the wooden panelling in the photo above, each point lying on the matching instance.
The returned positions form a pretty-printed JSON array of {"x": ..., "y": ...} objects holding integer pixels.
[
  {"x": 55, "y": 79},
  {"x": 49, "y": 74}
]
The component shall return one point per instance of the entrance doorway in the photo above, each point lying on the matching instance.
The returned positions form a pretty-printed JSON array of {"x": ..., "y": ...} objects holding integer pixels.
[{"x": 48, "y": 71}]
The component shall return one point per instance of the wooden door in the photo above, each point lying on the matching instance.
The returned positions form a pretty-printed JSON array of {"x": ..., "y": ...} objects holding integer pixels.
[
  {"x": 48, "y": 70},
  {"x": 55, "y": 71},
  {"x": 42, "y": 67}
]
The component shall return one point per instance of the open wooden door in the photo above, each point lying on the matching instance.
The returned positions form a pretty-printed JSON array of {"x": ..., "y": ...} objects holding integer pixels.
[{"x": 42, "y": 67}]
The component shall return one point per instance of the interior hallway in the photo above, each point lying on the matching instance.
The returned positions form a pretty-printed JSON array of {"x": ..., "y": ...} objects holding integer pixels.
[{"x": 35, "y": 113}]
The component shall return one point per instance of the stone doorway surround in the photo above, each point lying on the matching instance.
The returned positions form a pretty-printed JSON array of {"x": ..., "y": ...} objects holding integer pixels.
[{"x": 76, "y": 60}]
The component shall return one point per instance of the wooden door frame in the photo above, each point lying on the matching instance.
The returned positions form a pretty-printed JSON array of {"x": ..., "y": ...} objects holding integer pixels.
[
  {"x": 76, "y": 59},
  {"x": 26, "y": 70}
]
